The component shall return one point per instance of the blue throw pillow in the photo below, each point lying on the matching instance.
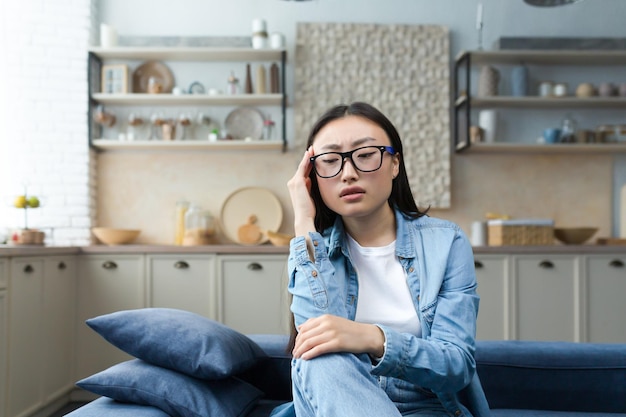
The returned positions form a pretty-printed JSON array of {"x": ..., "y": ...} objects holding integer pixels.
[
  {"x": 179, "y": 340},
  {"x": 177, "y": 394}
]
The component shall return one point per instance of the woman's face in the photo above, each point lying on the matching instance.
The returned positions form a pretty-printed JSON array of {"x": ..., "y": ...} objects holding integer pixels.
[{"x": 353, "y": 193}]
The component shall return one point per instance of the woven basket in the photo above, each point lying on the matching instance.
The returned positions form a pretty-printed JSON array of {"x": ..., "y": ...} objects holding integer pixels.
[
  {"x": 501, "y": 235},
  {"x": 30, "y": 237}
]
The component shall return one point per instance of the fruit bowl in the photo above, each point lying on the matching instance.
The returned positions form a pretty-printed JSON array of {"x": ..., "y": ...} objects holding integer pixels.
[
  {"x": 279, "y": 239},
  {"x": 574, "y": 235},
  {"x": 110, "y": 236}
]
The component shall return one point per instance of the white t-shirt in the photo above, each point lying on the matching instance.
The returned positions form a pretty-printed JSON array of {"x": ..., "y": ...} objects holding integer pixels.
[{"x": 384, "y": 296}]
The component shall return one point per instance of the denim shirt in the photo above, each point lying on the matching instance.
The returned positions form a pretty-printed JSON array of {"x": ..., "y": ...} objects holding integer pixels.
[{"x": 439, "y": 265}]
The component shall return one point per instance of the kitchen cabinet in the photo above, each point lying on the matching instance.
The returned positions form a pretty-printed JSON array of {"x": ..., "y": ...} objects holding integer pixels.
[
  {"x": 253, "y": 293},
  {"x": 183, "y": 281},
  {"x": 3, "y": 350},
  {"x": 606, "y": 287},
  {"x": 492, "y": 277},
  {"x": 550, "y": 63},
  {"x": 191, "y": 57},
  {"x": 41, "y": 332},
  {"x": 4, "y": 275},
  {"x": 106, "y": 283},
  {"x": 546, "y": 300}
]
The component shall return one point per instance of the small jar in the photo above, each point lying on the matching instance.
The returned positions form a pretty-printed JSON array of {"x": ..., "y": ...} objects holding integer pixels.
[
  {"x": 259, "y": 34},
  {"x": 546, "y": 88},
  {"x": 233, "y": 84},
  {"x": 560, "y": 90},
  {"x": 199, "y": 227}
]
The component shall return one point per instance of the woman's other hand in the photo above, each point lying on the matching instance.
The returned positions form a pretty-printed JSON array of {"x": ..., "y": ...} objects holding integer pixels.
[{"x": 328, "y": 333}]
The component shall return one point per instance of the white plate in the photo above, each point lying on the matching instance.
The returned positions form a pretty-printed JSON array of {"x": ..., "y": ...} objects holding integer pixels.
[
  {"x": 245, "y": 122},
  {"x": 244, "y": 202}
]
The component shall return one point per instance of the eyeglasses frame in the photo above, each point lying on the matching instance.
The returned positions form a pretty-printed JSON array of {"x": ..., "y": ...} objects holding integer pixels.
[{"x": 348, "y": 154}]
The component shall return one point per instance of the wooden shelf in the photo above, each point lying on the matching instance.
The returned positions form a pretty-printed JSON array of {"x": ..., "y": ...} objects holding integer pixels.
[
  {"x": 187, "y": 145},
  {"x": 190, "y": 99},
  {"x": 546, "y": 102},
  {"x": 562, "y": 148},
  {"x": 188, "y": 53},
  {"x": 547, "y": 57}
]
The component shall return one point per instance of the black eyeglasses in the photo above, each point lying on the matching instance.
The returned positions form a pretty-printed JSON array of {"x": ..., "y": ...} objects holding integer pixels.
[{"x": 365, "y": 159}]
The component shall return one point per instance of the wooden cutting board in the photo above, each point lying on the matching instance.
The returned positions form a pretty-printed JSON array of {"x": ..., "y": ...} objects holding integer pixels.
[{"x": 610, "y": 241}]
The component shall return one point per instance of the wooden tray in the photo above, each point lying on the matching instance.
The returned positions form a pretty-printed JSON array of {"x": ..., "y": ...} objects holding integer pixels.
[{"x": 610, "y": 241}]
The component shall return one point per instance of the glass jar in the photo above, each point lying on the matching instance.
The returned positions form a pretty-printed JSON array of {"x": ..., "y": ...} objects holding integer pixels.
[
  {"x": 181, "y": 210},
  {"x": 233, "y": 85},
  {"x": 199, "y": 227}
]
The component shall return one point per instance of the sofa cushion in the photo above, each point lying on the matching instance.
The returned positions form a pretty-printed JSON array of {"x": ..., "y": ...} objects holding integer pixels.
[
  {"x": 179, "y": 340},
  {"x": 176, "y": 394},
  {"x": 558, "y": 376}
]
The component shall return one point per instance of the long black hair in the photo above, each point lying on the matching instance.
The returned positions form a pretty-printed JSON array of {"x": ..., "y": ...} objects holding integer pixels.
[{"x": 401, "y": 196}]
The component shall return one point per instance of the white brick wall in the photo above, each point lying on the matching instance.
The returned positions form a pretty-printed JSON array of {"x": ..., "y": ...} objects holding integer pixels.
[{"x": 43, "y": 125}]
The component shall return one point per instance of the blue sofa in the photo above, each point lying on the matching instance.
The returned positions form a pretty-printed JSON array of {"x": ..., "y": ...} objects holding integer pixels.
[{"x": 520, "y": 378}]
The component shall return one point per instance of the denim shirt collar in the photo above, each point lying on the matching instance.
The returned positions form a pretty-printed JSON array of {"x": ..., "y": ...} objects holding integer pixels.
[{"x": 405, "y": 244}]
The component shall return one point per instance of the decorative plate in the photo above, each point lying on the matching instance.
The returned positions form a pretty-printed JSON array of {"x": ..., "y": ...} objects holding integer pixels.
[
  {"x": 155, "y": 69},
  {"x": 245, "y": 122},
  {"x": 242, "y": 203}
]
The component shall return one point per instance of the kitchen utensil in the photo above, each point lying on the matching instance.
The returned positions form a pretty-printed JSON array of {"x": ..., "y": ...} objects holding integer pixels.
[
  {"x": 245, "y": 122},
  {"x": 574, "y": 235},
  {"x": 110, "y": 236},
  {"x": 279, "y": 239},
  {"x": 246, "y": 201},
  {"x": 250, "y": 233},
  {"x": 156, "y": 70}
]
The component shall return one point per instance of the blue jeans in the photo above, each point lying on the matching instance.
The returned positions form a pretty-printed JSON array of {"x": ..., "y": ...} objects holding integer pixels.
[{"x": 340, "y": 384}]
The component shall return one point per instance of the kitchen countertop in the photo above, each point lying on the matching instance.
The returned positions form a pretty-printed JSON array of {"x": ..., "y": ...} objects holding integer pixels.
[{"x": 7, "y": 250}]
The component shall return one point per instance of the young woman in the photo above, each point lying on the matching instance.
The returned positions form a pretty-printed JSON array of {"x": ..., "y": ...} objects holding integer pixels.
[{"x": 384, "y": 297}]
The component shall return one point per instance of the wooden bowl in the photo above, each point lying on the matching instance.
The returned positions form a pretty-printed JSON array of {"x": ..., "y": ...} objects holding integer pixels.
[
  {"x": 110, "y": 236},
  {"x": 279, "y": 239},
  {"x": 574, "y": 235}
]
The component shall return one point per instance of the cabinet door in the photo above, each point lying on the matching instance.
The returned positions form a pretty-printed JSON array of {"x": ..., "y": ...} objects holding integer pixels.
[
  {"x": 183, "y": 282},
  {"x": 546, "y": 299},
  {"x": 3, "y": 351},
  {"x": 59, "y": 289},
  {"x": 105, "y": 284},
  {"x": 606, "y": 287},
  {"x": 25, "y": 342},
  {"x": 253, "y": 293},
  {"x": 492, "y": 277},
  {"x": 4, "y": 275}
]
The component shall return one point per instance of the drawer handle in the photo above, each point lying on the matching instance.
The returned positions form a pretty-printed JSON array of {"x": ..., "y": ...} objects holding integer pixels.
[
  {"x": 28, "y": 269},
  {"x": 546, "y": 265},
  {"x": 616, "y": 263},
  {"x": 478, "y": 265},
  {"x": 255, "y": 266},
  {"x": 62, "y": 265},
  {"x": 109, "y": 265},
  {"x": 181, "y": 265}
]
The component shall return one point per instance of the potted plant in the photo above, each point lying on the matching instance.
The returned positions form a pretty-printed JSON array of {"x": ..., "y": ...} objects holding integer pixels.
[{"x": 27, "y": 236}]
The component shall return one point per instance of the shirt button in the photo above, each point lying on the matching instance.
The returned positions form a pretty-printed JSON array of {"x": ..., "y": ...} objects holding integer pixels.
[
  {"x": 315, "y": 243},
  {"x": 457, "y": 413},
  {"x": 411, "y": 269},
  {"x": 314, "y": 273}
]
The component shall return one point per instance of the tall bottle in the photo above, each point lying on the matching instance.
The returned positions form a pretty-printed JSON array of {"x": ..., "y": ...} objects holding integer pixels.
[{"x": 179, "y": 232}]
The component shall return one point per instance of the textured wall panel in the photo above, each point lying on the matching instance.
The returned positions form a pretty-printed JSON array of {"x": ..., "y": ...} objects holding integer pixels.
[{"x": 401, "y": 69}]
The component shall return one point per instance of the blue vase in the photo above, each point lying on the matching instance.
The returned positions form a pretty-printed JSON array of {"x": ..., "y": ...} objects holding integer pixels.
[{"x": 519, "y": 81}]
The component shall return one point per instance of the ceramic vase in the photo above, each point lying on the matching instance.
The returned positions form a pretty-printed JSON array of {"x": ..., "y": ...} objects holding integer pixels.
[
  {"x": 488, "y": 81},
  {"x": 488, "y": 122},
  {"x": 519, "y": 81}
]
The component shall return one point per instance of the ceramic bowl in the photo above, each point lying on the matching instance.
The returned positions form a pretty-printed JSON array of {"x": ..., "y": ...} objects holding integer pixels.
[
  {"x": 110, "y": 236},
  {"x": 279, "y": 239},
  {"x": 574, "y": 235}
]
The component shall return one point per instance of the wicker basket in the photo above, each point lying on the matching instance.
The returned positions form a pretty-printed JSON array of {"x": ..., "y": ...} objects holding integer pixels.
[
  {"x": 520, "y": 232},
  {"x": 30, "y": 237}
]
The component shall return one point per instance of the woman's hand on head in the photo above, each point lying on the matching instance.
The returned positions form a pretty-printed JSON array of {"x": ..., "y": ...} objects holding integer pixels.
[
  {"x": 328, "y": 334},
  {"x": 300, "y": 191}
]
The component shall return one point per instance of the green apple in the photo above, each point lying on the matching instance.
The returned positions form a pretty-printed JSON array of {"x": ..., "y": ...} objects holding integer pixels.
[{"x": 33, "y": 202}]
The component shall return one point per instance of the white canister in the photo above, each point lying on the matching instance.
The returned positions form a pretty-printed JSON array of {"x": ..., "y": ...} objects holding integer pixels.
[
  {"x": 108, "y": 36},
  {"x": 259, "y": 34},
  {"x": 479, "y": 234},
  {"x": 559, "y": 90},
  {"x": 546, "y": 88},
  {"x": 277, "y": 41},
  {"x": 488, "y": 122}
]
